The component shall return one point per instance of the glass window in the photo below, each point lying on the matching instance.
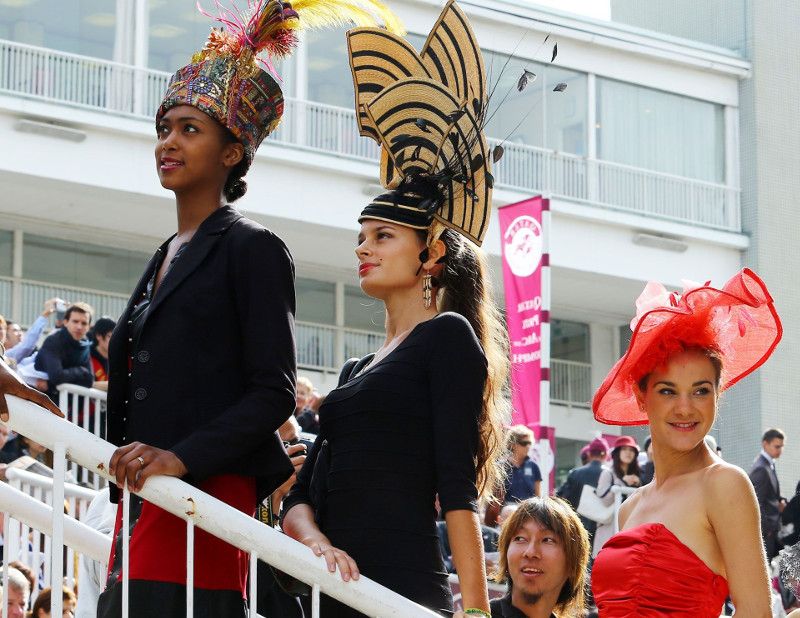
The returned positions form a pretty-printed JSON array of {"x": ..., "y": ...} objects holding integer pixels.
[
  {"x": 537, "y": 116},
  {"x": 569, "y": 341},
  {"x": 85, "y": 27},
  {"x": 315, "y": 301},
  {"x": 329, "y": 78},
  {"x": 78, "y": 264},
  {"x": 566, "y": 112},
  {"x": 514, "y": 116},
  {"x": 361, "y": 311},
  {"x": 177, "y": 30},
  {"x": 660, "y": 131},
  {"x": 6, "y": 253}
]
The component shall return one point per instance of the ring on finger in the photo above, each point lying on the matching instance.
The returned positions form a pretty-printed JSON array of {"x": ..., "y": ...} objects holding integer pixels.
[{"x": 141, "y": 461}]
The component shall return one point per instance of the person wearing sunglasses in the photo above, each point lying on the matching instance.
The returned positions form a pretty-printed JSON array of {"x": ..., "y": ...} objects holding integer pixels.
[{"x": 524, "y": 477}]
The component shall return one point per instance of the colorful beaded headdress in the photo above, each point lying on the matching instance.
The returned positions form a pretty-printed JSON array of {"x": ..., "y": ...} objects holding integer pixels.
[
  {"x": 426, "y": 110},
  {"x": 224, "y": 79},
  {"x": 739, "y": 322}
]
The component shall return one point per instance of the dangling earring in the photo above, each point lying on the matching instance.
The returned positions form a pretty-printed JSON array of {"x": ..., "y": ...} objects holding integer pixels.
[{"x": 426, "y": 290}]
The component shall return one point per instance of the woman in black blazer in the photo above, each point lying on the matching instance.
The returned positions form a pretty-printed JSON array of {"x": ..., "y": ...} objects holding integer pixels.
[{"x": 202, "y": 364}]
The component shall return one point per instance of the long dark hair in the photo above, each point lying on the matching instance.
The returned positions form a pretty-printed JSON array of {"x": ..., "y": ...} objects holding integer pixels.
[
  {"x": 633, "y": 467},
  {"x": 467, "y": 290}
]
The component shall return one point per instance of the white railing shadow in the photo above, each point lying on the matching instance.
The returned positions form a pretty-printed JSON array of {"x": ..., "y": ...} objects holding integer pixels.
[{"x": 199, "y": 509}]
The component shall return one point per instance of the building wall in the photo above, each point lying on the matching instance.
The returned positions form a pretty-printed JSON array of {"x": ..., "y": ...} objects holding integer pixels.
[
  {"x": 769, "y": 133},
  {"x": 104, "y": 189}
]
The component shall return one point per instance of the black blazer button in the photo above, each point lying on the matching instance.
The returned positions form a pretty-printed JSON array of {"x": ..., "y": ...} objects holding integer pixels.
[
  {"x": 143, "y": 356},
  {"x": 140, "y": 394}
]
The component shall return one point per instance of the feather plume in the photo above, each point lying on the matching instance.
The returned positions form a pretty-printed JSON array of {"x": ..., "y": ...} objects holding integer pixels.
[
  {"x": 272, "y": 24},
  {"x": 361, "y": 13}
]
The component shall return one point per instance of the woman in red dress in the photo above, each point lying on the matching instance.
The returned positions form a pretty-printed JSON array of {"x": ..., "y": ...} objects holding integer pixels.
[{"x": 692, "y": 536}]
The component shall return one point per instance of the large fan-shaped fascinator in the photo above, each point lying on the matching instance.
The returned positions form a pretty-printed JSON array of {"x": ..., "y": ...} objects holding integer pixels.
[
  {"x": 224, "y": 79},
  {"x": 426, "y": 110},
  {"x": 738, "y": 321}
]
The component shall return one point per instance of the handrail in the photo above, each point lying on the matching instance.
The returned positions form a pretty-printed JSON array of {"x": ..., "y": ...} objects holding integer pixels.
[
  {"x": 70, "y": 490},
  {"x": 213, "y": 516},
  {"x": 38, "y": 515},
  {"x": 619, "y": 491}
]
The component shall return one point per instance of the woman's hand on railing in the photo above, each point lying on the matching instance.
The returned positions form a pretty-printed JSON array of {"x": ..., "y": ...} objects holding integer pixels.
[
  {"x": 134, "y": 463},
  {"x": 336, "y": 558},
  {"x": 12, "y": 384}
]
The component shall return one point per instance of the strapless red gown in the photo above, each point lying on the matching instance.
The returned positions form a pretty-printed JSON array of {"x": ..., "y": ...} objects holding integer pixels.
[{"x": 646, "y": 571}]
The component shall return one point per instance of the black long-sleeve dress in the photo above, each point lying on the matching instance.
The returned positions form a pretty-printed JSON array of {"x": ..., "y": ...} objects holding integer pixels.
[{"x": 398, "y": 433}]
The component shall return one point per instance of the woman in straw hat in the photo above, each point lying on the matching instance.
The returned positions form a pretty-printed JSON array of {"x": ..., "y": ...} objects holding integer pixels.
[
  {"x": 692, "y": 535},
  {"x": 423, "y": 418},
  {"x": 177, "y": 404}
]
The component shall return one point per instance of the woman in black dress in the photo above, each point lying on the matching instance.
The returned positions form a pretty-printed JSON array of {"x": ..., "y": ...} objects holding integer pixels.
[{"x": 424, "y": 417}]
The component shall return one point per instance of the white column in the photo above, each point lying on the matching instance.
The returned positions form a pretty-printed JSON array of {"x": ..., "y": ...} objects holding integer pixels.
[
  {"x": 16, "y": 274},
  {"x": 339, "y": 352}
]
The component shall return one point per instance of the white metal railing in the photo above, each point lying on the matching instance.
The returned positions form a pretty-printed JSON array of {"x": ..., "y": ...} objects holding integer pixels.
[
  {"x": 198, "y": 509},
  {"x": 33, "y": 493},
  {"x": 87, "y": 82},
  {"x": 570, "y": 382},
  {"x": 6, "y": 308},
  {"x": 86, "y": 408}
]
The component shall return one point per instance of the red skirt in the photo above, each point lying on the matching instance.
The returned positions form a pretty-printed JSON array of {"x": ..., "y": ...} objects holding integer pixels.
[{"x": 158, "y": 548}]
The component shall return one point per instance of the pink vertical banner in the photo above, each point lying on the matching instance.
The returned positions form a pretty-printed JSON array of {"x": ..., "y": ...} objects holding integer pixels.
[{"x": 523, "y": 259}]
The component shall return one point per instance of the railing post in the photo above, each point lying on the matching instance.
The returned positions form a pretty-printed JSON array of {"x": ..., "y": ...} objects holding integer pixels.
[
  {"x": 189, "y": 568},
  {"x": 57, "y": 553},
  {"x": 125, "y": 532},
  {"x": 253, "y": 593},
  {"x": 6, "y": 558}
]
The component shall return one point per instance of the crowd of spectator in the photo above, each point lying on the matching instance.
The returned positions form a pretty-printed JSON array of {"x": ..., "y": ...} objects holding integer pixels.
[{"x": 75, "y": 351}]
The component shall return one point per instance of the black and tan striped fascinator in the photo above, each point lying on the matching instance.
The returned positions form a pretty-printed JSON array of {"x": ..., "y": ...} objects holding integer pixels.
[{"x": 426, "y": 110}]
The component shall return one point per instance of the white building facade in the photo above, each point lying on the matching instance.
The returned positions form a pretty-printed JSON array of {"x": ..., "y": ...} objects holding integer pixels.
[{"x": 639, "y": 155}]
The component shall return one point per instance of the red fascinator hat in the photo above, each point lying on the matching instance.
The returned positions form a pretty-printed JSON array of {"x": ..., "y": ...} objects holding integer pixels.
[{"x": 739, "y": 321}]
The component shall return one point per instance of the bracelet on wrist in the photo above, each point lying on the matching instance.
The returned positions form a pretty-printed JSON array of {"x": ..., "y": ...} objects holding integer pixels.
[{"x": 475, "y": 611}]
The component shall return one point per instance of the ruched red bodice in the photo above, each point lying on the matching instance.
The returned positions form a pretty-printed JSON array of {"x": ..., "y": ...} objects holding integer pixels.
[{"x": 646, "y": 572}]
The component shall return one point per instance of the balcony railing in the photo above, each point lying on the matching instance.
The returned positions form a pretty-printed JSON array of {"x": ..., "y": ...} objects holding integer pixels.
[
  {"x": 96, "y": 84},
  {"x": 320, "y": 347},
  {"x": 570, "y": 382}
]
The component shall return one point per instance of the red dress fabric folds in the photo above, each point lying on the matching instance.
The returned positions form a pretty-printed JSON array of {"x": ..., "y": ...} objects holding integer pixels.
[{"x": 646, "y": 572}]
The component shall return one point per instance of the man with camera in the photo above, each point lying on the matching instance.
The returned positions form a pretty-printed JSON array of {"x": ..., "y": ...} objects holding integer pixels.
[{"x": 64, "y": 356}]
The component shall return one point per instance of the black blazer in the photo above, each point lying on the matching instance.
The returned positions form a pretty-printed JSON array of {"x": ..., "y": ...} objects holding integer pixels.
[
  {"x": 768, "y": 492},
  {"x": 213, "y": 375}
]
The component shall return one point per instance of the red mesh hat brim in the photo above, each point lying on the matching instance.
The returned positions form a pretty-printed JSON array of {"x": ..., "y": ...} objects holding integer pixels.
[{"x": 739, "y": 321}]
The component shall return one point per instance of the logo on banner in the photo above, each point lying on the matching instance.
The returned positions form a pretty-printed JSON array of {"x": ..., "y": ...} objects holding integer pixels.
[{"x": 523, "y": 246}]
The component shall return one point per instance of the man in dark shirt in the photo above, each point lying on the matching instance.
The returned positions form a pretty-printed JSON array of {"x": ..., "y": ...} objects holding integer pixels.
[
  {"x": 64, "y": 356},
  {"x": 544, "y": 550},
  {"x": 585, "y": 475}
]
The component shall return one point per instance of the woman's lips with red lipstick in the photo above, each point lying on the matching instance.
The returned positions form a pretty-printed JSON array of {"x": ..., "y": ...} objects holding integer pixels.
[{"x": 365, "y": 267}]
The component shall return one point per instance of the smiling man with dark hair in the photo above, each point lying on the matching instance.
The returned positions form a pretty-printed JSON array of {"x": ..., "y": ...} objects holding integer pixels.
[{"x": 544, "y": 550}]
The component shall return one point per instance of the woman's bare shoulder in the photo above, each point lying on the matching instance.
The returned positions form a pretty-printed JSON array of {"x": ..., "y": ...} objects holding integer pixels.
[{"x": 724, "y": 476}]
